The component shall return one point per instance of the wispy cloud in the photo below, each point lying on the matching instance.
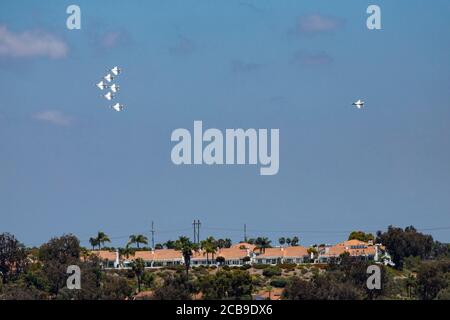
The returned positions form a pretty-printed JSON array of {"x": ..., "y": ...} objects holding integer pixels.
[
  {"x": 238, "y": 66},
  {"x": 30, "y": 44},
  {"x": 314, "y": 24},
  {"x": 54, "y": 117},
  {"x": 312, "y": 59},
  {"x": 184, "y": 46}
]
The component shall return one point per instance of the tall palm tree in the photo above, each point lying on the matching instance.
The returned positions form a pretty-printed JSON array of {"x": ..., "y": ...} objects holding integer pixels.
[
  {"x": 294, "y": 241},
  {"x": 210, "y": 246},
  {"x": 126, "y": 252},
  {"x": 262, "y": 243},
  {"x": 93, "y": 241},
  {"x": 138, "y": 267},
  {"x": 282, "y": 241},
  {"x": 185, "y": 246},
  {"x": 102, "y": 238},
  {"x": 137, "y": 239}
]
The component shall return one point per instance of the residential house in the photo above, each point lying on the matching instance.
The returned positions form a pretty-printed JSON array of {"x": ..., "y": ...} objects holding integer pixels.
[{"x": 294, "y": 254}]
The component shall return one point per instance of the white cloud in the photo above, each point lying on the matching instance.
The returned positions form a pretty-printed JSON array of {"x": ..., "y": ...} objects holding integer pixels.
[
  {"x": 54, "y": 117},
  {"x": 30, "y": 44}
]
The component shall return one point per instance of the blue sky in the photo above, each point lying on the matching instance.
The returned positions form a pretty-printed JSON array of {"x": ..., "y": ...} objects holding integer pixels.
[{"x": 69, "y": 164}]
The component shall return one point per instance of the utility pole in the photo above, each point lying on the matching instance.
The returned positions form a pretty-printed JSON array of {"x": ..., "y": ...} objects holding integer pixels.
[
  {"x": 153, "y": 236},
  {"x": 245, "y": 232},
  {"x": 198, "y": 231},
  {"x": 195, "y": 230}
]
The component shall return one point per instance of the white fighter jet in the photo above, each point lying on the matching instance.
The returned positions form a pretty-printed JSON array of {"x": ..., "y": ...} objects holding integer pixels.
[
  {"x": 101, "y": 85},
  {"x": 358, "y": 104},
  {"x": 114, "y": 88},
  {"x": 118, "y": 107},
  {"x": 108, "y": 96},
  {"x": 108, "y": 77},
  {"x": 116, "y": 70}
]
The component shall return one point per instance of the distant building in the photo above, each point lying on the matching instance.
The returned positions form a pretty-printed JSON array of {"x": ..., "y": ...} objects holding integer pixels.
[
  {"x": 244, "y": 253},
  {"x": 295, "y": 254}
]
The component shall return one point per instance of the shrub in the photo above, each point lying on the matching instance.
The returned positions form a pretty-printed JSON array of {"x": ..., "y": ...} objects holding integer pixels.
[
  {"x": 288, "y": 266},
  {"x": 278, "y": 283},
  {"x": 261, "y": 266},
  {"x": 272, "y": 271}
]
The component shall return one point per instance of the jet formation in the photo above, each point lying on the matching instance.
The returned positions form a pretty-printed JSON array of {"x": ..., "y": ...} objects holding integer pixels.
[{"x": 107, "y": 84}]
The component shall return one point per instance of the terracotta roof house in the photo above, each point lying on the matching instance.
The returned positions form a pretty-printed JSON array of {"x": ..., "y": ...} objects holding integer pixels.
[
  {"x": 110, "y": 259},
  {"x": 355, "y": 248},
  {"x": 156, "y": 258},
  {"x": 294, "y": 254},
  {"x": 169, "y": 257},
  {"x": 235, "y": 256},
  {"x": 244, "y": 245}
]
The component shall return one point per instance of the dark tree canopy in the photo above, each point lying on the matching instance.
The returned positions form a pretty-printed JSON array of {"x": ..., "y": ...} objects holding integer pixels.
[
  {"x": 361, "y": 236},
  {"x": 12, "y": 256},
  {"x": 56, "y": 255},
  {"x": 405, "y": 243}
]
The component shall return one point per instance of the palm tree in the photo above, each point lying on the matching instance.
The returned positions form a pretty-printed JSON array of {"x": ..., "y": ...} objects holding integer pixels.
[
  {"x": 137, "y": 239},
  {"x": 288, "y": 241},
  {"x": 282, "y": 241},
  {"x": 102, "y": 238},
  {"x": 186, "y": 247},
  {"x": 127, "y": 251},
  {"x": 170, "y": 244},
  {"x": 269, "y": 290},
  {"x": 138, "y": 267},
  {"x": 93, "y": 242},
  {"x": 84, "y": 253},
  {"x": 294, "y": 242},
  {"x": 210, "y": 246},
  {"x": 312, "y": 252},
  {"x": 262, "y": 243}
]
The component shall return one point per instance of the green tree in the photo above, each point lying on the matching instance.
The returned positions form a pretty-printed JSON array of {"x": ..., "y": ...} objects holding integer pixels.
[
  {"x": 282, "y": 241},
  {"x": 138, "y": 267},
  {"x": 361, "y": 236},
  {"x": 227, "y": 284},
  {"x": 432, "y": 278},
  {"x": 209, "y": 245},
  {"x": 174, "y": 288},
  {"x": 102, "y": 238},
  {"x": 94, "y": 242},
  {"x": 262, "y": 243},
  {"x": 185, "y": 246},
  {"x": 56, "y": 255},
  {"x": 138, "y": 239},
  {"x": 220, "y": 260},
  {"x": 295, "y": 240},
  {"x": 12, "y": 256},
  {"x": 127, "y": 251},
  {"x": 170, "y": 244},
  {"x": 223, "y": 243},
  {"x": 404, "y": 243}
]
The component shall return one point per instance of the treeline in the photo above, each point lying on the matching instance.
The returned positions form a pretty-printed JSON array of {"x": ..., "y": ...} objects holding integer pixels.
[{"x": 422, "y": 271}]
